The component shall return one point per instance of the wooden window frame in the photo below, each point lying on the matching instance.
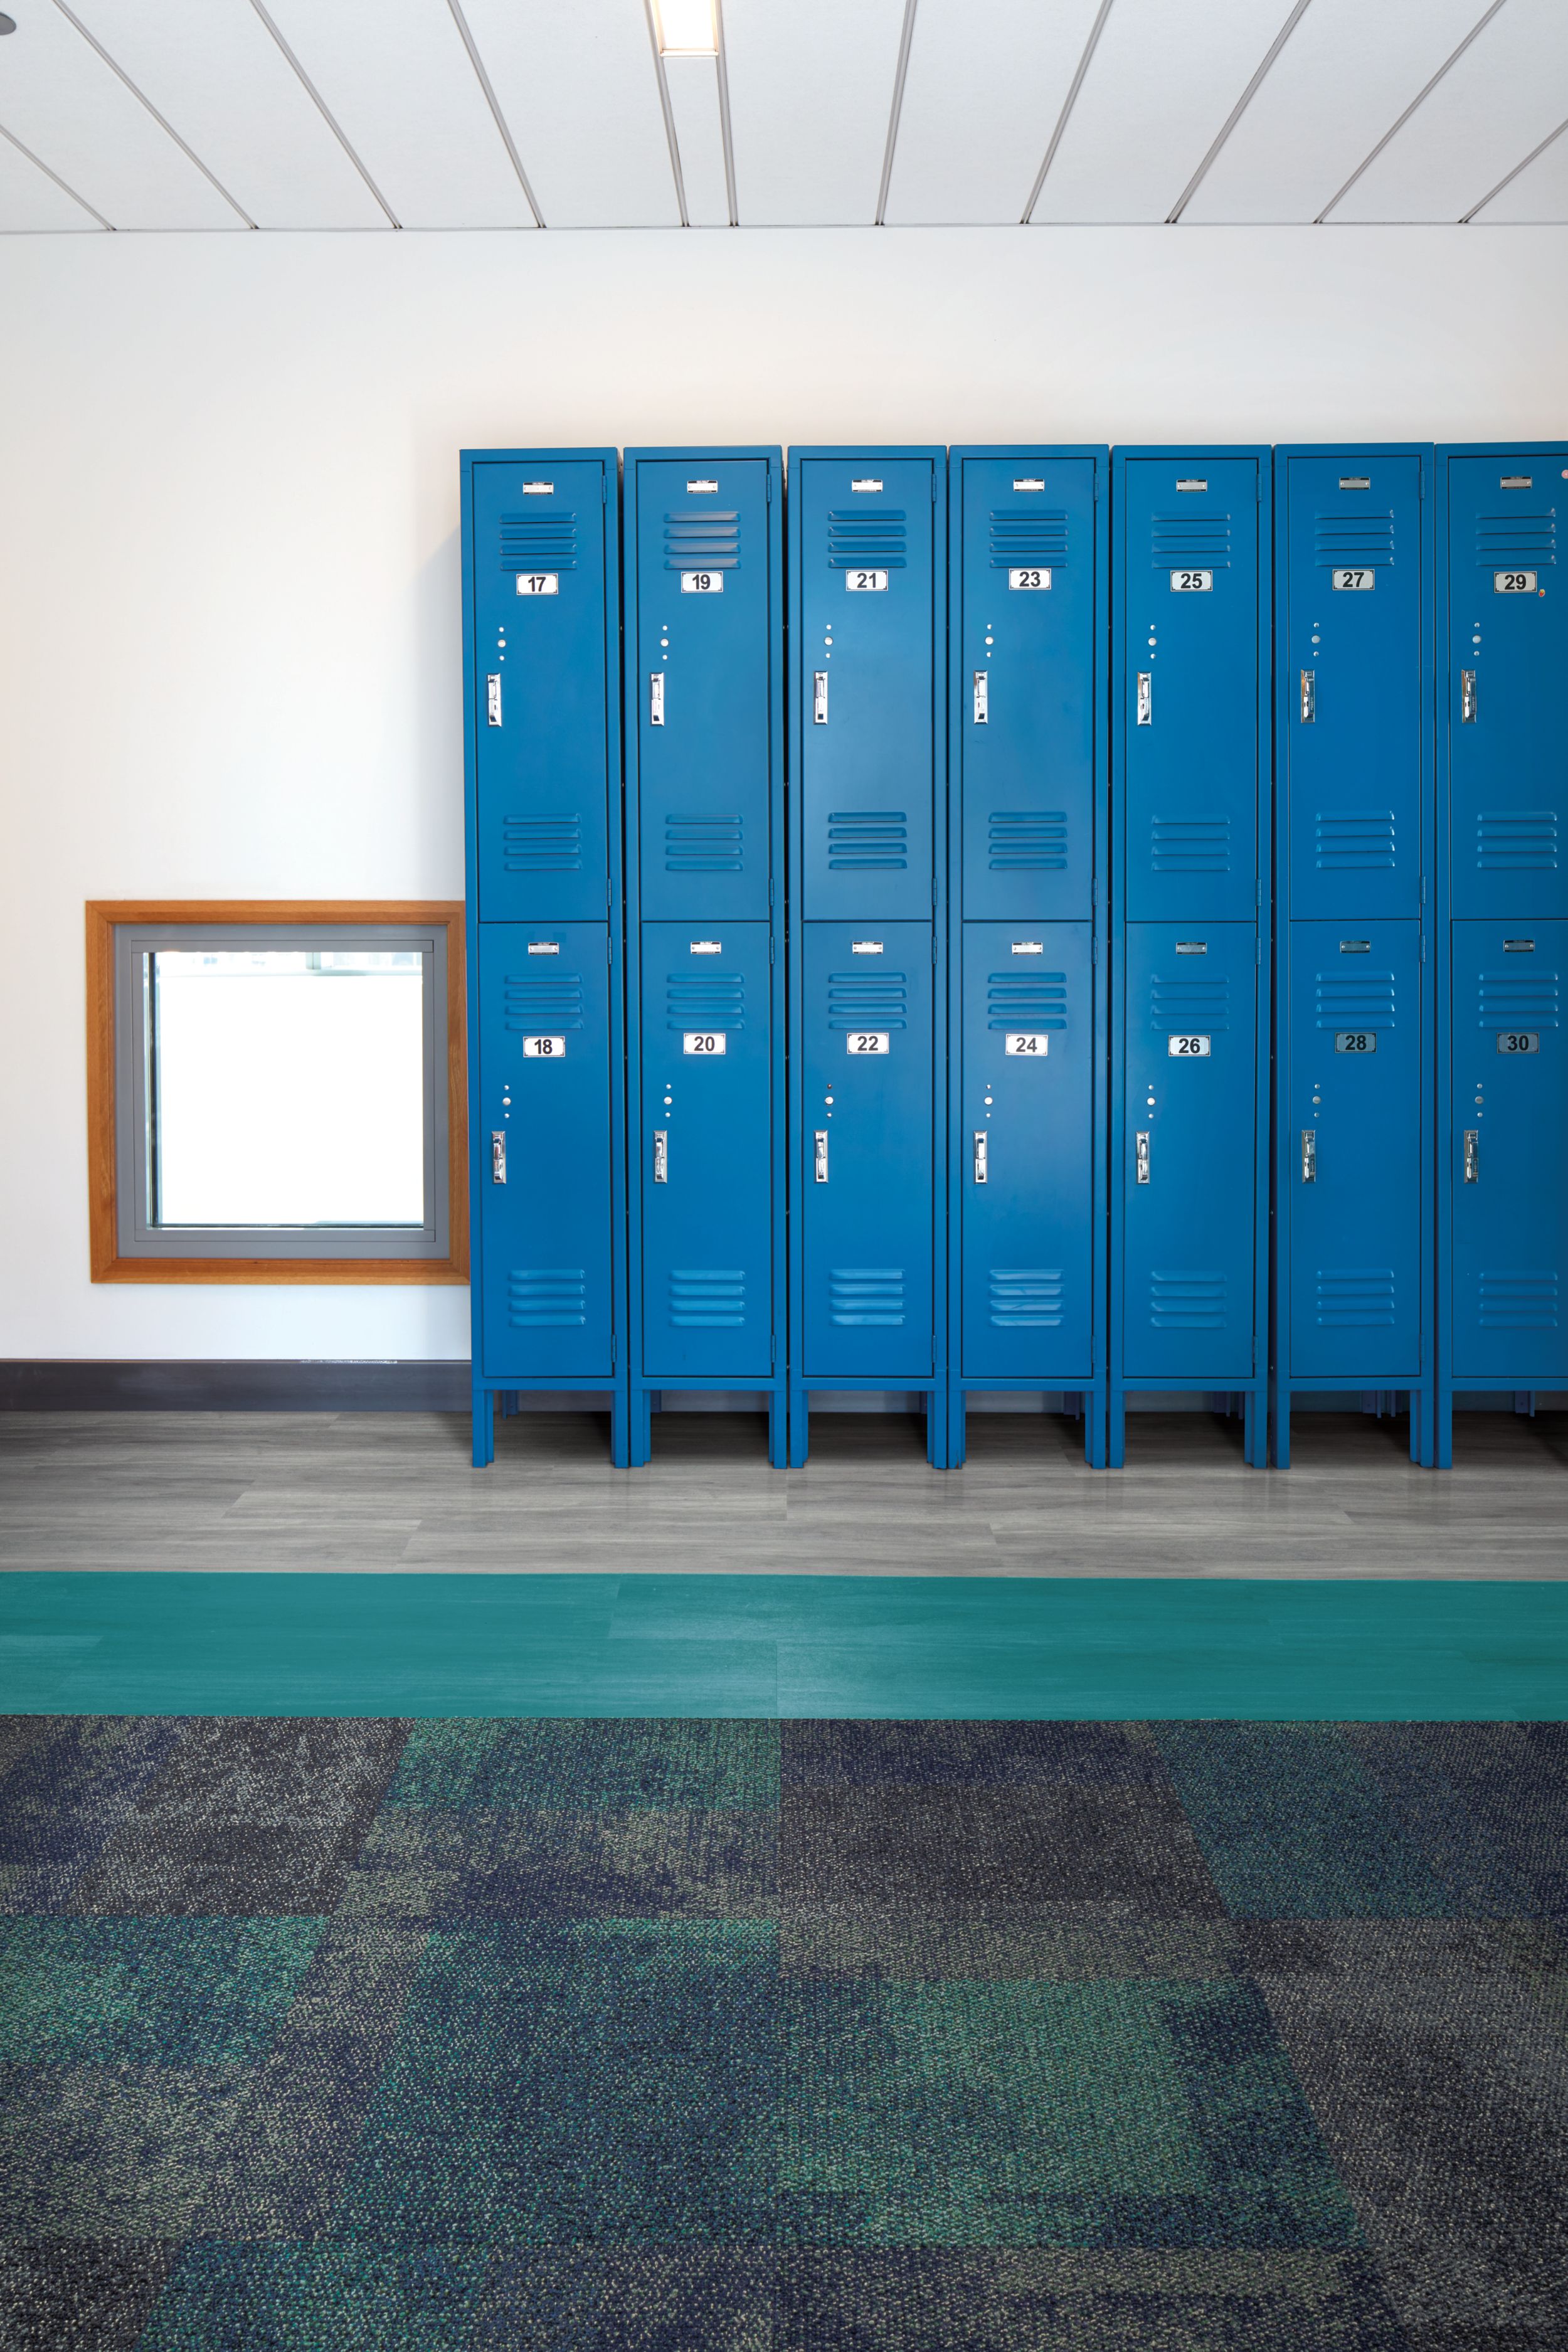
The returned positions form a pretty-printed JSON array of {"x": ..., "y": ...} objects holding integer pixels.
[{"x": 103, "y": 915}]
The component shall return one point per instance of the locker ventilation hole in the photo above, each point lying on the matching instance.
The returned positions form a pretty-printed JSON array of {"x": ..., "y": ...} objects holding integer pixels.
[
  {"x": 1025, "y": 538},
  {"x": 860, "y": 1295},
  {"x": 1507, "y": 997},
  {"x": 1027, "y": 1297},
  {"x": 539, "y": 542},
  {"x": 1364, "y": 1003},
  {"x": 1190, "y": 542},
  {"x": 542, "y": 844},
  {"x": 1189, "y": 1301},
  {"x": 702, "y": 845},
  {"x": 707, "y": 1297},
  {"x": 1516, "y": 542},
  {"x": 1024, "y": 842},
  {"x": 867, "y": 841},
  {"x": 1516, "y": 1298},
  {"x": 715, "y": 1001},
  {"x": 1355, "y": 841},
  {"x": 1517, "y": 840},
  {"x": 1189, "y": 844},
  {"x": 854, "y": 1002},
  {"x": 866, "y": 539},
  {"x": 1185, "y": 1003},
  {"x": 1355, "y": 1298},
  {"x": 1358, "y": 542},
  {"x": 547, "y": 1298},
  {"x": 557, "y": 1000},
  {"x": 702, "y": 541},
  {"x": 1035, "y": 999}
]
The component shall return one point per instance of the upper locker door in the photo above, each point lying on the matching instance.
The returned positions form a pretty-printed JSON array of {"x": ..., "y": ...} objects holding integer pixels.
[
  {"x": 1189, "y": 537},
  {"x": 1508, "y": 660},
  {"x": 1028, "y": 673},
  {"x": 1355, "y": 732},
  {"x": 545, "y": 761},
  {"x": 865, "y": 760},
  {"x": 704, "y": 658}
]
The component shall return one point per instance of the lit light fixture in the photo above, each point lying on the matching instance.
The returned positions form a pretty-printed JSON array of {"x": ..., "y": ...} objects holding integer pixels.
[
  {"x": 7, "y": 24},
  {"x": 686, "y": 29}
]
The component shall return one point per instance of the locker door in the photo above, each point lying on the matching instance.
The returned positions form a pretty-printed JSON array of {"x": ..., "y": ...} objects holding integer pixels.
[
  {"x": 1187, "y": 1245},
  {"x": 866, "y": 1177},
  {"x": 1511, "y": 1204},
  {"x": 1189, "y": 539},
  {"x": 544, "y": 1083},
  {"x": 704, "y": 652},
  {"x": 707, "y": 1192},
  {"x": 541, "y": 709},
  {"x": 867, "y": 748},
  {"x": 1027, "y": 676},
  {"x": 1026, "y": 1202},
  {"x": 1354, "y": 1109},
  {"x": 1508, "y": 620},
  {"x": 1355, "y": 725}
]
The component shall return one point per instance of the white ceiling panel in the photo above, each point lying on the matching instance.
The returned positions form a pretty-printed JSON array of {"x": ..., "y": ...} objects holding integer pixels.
[
  {"x": 811, "y": 90},
  {"x": 1162, "y": 80},
  {"x": 1346, "y": 73},
  {"x": 579, "y": 93},
  {"x": 400, "y": 83},
  {"x": 693, "y": 85},
  {"x": 214, "y": 72},
  {"x": 29, "y": 199},
  {"x": 1540, "y": 191},
  {"x": 59, "y": 99},
  {"x": 1507, "y": 93},
  {"x": 986, "y": 82}
]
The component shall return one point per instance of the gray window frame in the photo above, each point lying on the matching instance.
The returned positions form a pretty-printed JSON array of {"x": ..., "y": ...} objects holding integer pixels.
[{"x": 138, "y": 1235}]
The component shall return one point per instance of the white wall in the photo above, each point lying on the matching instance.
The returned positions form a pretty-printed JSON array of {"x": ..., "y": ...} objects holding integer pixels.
[{"x": 229, "y": 638}]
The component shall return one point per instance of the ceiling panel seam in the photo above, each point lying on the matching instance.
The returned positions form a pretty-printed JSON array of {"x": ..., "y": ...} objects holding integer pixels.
[
  {"x": 64, "y": 185},
  {"x": 1237, "y": 111},
  {"x": 325, "y": 111},
  {"x": 493, "y": 103},
  {"x": 900, "y": 75},
  {"x": 1509, "y": 177},
  {"x": 724, "y": 130},
  {"x": 1069, "y": 102},
  {"x": 1419, "y": 99},
  {"x": 674, "y": 142},
  {"x": 162, "y": 122}
]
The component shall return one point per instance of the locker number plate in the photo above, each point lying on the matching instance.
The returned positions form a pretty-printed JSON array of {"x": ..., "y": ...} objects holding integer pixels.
[
  {"x": 865, "y": 582},
  {"x": 545, "y": 1049},
  {"x": 1037, "y": 578},
  {"x": 539, "y": 584},
  {"x": 1354, "y": 579},
  {"x": 1187, "y": 1049},
  {"x": 1514, "y": 583},
  {"x": 1519, "y": 1041},
  {"x": 867, "y": 1041},
  {"x": 1029, "y": 1040},
  {"x": 1182, "y": 581},
  {"x": 703, "y": 584},
  {"x": 1355, "y": 1041},
  {"x": 704, "y": 1041}
]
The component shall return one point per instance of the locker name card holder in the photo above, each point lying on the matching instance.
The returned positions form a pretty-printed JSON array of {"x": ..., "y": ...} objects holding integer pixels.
[
  {"x": 704, "y": 1041},
  {"x": 545, "y": 1049},
  {"x": 1187, "y": 1046},
  {"x": 1519, "y": 1041},
  {"x": 539, "y": 584},
  {"x": 703, "y": 584},
  {"x": 1353, "y": 577},
  {"x": 1036, "y": 1042},
  {"x": 867, "y": 1041},
  {"x": 1038, "y": 577},
  {"x": 862, "y": 582},
  {"x": 1355, "y": 1041},
  {"x": 1185, "y": 582},
  {"x": 867, "y": 482},
  {"x": 703, "y": 485},
  {"x": 1514, "y": 583}
]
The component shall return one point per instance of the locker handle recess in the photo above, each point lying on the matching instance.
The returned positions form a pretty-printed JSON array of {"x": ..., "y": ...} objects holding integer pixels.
[
  {"x": 1309, "y": 696},
  {"x": 819, "y": 698},
  {"x": 819, "y": 1155},
  {"x": 498, "y": 1155},
  {"x": 1467, "y": 698},
  {"x": 980, "y": 1170},
  {"x": 1472, "y": 1155},
  {"x": 492, "y": 697},
  {"x": 1309, "y": 1155},
  {"x": 1141, "y": 1150},
  {"x": 661, "y": 1155},
  {"x": 1145, "y": 697},
  {"x": 655, "y": 697},
  {"x": 982, "y": 699}
]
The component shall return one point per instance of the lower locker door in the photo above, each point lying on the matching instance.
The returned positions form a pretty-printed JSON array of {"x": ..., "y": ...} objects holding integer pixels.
[
  {"x": 1509, "y": 1145},
  {"x": 1026, "y": 1179},
  {"x": 1353, "y": 1101},
  {"x": 1189, "y": 1183},
  {"x": 544, "y": 1118},
  {"x": 707, "y": 1189},
  {"x": 867, "y": 1176}
]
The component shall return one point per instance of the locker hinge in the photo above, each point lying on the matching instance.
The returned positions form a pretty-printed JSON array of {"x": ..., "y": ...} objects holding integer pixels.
[
  {"x": 772, "y": 1355},
  {"x": 1423, "y": 890},
  {"x": 609, "y": 950},
  {"x": 1422, "y": 947},
  {"x": 769, "y": 948},
  {"x": 933, "y": 889},
  {"x": 768, "y": 478},
  {"x": 934, "y": 947},
  {"x": 1257, "y": 892},
  {"x": 1094, "y": 950},
  {"x": 1258, "y": 956},
  {"x": 770, "y": 890},
  {"x": 933, "y": 486},
  {"x": 612, "y": 1352}
]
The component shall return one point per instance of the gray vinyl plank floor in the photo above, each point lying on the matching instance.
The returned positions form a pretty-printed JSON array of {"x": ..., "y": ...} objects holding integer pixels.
[{"x": 350, "y": 1492}]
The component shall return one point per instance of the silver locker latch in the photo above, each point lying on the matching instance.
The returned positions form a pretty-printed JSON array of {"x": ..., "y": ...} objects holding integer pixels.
[
  {"x": 498, "y": 1155},
  {"x": 655, "y": 697},
  {"x": 1141, "y": 1151},
  {"x": 1472, "y": 1155},
  {"x": 819, "y": 1156},
  {"x": 1145, "y": 697},
  {"x": 819, "y": 698},
  {"x": 980, "y": 1155},
  {"x": 1467, "y": 698},
  {"x": 661, "y": 1155},
  {"x": 1309, "y": 1155},
  {"x": 1309, "y": 696},
  {"x": 492, "y": 697},
  {"x": 982, "y": 707}
]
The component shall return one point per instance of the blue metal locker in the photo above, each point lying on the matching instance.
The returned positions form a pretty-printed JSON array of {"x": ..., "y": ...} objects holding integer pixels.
[
  {"x": 1190, "y": 978},
  {"x": 546, "y": 1036},
  {"x": 868, "y": 1087},
  {"x": 704, "y": 651},
  {"x": 1502, "y": 896},
  {"x": 1352, "y": 1286},
  {"x": 1029, "y": 606}
]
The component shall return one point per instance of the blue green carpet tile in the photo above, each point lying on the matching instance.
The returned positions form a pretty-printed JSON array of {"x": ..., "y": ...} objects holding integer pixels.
[{"x": 329, "y": 2034}]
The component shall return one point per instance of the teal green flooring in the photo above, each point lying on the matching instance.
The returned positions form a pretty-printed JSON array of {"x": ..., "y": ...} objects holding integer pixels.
[{"x": 977, "y": 1647}]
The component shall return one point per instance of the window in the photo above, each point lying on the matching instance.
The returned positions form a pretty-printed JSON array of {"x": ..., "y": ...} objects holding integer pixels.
[{"x": 275, "y": 1093}]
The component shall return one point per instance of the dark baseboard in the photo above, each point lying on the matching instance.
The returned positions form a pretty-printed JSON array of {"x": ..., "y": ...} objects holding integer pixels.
[{"x": 82, "y": 1385}]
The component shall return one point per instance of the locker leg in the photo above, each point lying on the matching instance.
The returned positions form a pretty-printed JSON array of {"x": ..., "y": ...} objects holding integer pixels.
[
  {"x": 1091, "y": 1406},
  {"x": 1443, "y": 1428},
  {"x": 799, "y": 1427},
  {"x": 620, "y": 1430},
  {"x": 1421, "y": 1445},
  {"x": 1282, "y": 1428},
  {"x": 936, "y": 1428},
  {"x": 957, "y": 1425},
  {"x": 484, "y": 1428},
  {"x": 1524, "y": 1402},
  {"x": 1115, "y": 1428},
  {"x": 510, "y": 1403},
  {"x": 778, "y": 1430},
  {"x": 639, "y": 1430},
  {"x": 1254, "y": 1429}
]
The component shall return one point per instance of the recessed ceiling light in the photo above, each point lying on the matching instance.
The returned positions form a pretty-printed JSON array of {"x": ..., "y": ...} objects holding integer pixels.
[
  {"x": 7, "y": 24},
  {"x": 686, "y": 29}
]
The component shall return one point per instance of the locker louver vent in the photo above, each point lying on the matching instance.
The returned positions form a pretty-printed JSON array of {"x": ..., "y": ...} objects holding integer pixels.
[
  {"x": 1189, "y": 844},
  {"x": 856, "y": 1003},
  {"x": 865, "y": 539},
  {"x": 1022, "y": 537},
  {"x": 547, "y": 1298},
  {"x": 867, "y": 841},
  {"x": 1187, "y": 1005},
  {"x": 1035, "y": 1000},
  {"x": 1355, "y": 1298},
  {"x": 1355, "y": 841},
  {"x": 1517, "y": 840},
  {"x": 702, "y": 845},
  {"x": 715, "y": 1001},
  {"x": 707, "y": 1297},
  {"x": 1511, "y": 999},
  {"x": 1187, "y": 1301},
  {"x": 1516, "y": 1298},
  {"x": 1363, "y": 1000},
  {"x": 555, "y": 1002},
  {"x": 1191, "y": 542},
  {"x": 1353, "y": 542},
  {"x": 702, "y": 541},
  {"x": 1026, "y": 842},
  {"x": 542, "y": 844},
  {"x": 539, "y": 542},
  {"x": 1517, "y": 542},
  {"x": 1027, "y": 1297},
  {"x": 858, "y": 1294}
]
